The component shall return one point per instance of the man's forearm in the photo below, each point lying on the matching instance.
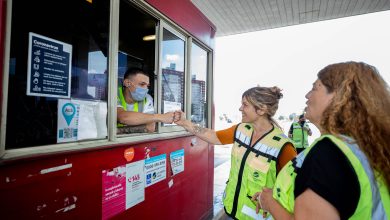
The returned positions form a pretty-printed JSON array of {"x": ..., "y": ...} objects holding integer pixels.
[
  {"x": 132, "y": 129},
  {"x": 136, "y": 118}
]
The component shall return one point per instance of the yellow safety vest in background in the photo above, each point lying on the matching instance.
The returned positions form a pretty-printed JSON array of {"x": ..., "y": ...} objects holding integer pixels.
[{"x": 300, "y": 135}]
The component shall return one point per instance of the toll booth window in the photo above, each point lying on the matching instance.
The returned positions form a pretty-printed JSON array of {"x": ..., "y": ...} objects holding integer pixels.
[
  {"x": 136, "y": 53},
  {"x": 173, "y": 80},
  {"x": 57, "y": 89},
  {"x": 199, "y": 85}
]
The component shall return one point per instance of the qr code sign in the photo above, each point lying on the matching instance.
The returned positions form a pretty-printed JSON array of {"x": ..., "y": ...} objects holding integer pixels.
[{"x": 68, "y": 132}]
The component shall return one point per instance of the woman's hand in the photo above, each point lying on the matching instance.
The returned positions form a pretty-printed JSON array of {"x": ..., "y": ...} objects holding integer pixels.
[
  {"x": 179, "y": 118},
  {"x": 266, "y": 199},
  {"x": 255, "y": 198},
  {"x": 263, "y": 200}
]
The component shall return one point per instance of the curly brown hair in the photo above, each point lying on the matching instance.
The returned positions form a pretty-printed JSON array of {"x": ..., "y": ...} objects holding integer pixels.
[{"x": 360, "y": 109}]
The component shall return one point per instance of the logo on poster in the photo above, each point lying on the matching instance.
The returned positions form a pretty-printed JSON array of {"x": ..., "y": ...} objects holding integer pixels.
[{"x": 68, "y": 111}]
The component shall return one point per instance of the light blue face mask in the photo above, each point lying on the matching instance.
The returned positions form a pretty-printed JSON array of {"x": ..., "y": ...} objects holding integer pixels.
[{"x": 139, "y": 94}]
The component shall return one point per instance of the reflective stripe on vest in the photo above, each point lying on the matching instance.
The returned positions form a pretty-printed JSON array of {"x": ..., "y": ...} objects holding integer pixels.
[
  {"x": 374, "y": 201},
  {"x": 124, "y": 104},
  {"x": 300, "y": 135},
  {"x": 252, "y": 168}
]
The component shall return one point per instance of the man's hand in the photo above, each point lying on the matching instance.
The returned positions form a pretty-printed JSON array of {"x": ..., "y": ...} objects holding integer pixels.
[
  {"x": 151, "y": 127},
  {"x": 166, "y": 118},
  {"x": 179, "y": 118}
]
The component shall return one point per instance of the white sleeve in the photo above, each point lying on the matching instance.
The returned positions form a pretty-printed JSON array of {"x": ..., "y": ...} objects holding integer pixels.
[
  {"x": 119, "y": 104},
  {"x": 149, "y": 108}
]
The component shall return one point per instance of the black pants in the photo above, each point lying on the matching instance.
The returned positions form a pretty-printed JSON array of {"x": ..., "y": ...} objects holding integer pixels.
[{"x": 299, "y": 150}]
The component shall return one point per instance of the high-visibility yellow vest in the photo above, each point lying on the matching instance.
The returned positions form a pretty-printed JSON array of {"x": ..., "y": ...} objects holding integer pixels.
[
  {"x": 124, "y": 104},
  {"x": 252, "y": 168},
  {"x": 300, "y": 135},
  {"x": 374, "y": 201}
]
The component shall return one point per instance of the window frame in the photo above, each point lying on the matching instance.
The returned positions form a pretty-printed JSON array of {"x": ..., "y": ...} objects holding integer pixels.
[{"x": 163, "y": 25}]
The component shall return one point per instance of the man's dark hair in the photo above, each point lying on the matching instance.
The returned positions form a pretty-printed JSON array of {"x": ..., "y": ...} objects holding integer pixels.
[
  {"x": 301, "y": 116},
  {"x": 134, "y": 71}
]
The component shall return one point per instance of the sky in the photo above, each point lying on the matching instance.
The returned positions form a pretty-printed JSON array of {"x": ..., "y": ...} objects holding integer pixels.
[{"x": 290, "y": 58}]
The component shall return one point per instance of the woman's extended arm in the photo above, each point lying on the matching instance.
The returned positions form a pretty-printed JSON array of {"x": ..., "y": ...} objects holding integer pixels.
[{"x": 205, "y": 134}]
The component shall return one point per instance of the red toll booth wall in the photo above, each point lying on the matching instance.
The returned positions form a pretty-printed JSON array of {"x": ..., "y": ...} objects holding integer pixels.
[
  {"x": 27, "y": 192},
  {"x": 185, "y": 14}
]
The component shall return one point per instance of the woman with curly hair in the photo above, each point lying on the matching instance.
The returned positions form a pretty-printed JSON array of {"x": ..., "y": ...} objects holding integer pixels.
[
  {"x": 345, "y": 174},
  {"x": 260, "y": 149}
]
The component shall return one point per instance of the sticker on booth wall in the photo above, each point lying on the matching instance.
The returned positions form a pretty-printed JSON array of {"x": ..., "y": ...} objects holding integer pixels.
[
  {"x": 113, "y": 191},
  {"x": 177, "y": 161},
  {"x": 129, "y": 154},
  {"x": 155, "y": 169},
  {"x": 122, "y": 188},
  {"x": 135, "y": 183},
  {"x": 67, "y": 121}
]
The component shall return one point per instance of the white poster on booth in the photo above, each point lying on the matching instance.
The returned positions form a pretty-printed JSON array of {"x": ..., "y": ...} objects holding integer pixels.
[
  {"x": 135, "y": 183},
  {"x": 155, "y": 169},
  {"x": 171, "y": 106},
  {"x": 177, "y": 161},
  {"x": 79, "y": 120},
  {"x": 92, "y": 119}
]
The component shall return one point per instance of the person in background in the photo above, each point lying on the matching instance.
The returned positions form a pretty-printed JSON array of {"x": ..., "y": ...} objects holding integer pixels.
[
  {"x": 135, "y": 106},
  {"x": 260, "y": 149},
  {"x": 345, "y": 174},
  {"x": 299, "y": 132}
]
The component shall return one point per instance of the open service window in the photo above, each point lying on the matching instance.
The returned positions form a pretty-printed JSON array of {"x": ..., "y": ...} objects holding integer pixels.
[
  {"x": 136, "y": 68},
  {"x": 173, "y": 73},
  {"x": 57, "y": 79}
]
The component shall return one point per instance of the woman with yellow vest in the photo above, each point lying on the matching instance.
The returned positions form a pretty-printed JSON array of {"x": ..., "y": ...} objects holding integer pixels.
[
  {"x": 260, "y": 149},
  {"x": 346, "y": 172}
]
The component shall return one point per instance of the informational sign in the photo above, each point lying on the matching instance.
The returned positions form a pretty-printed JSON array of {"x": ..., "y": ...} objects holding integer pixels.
[
  {"x": 155, "y": 169},
  {"x": 67, "y": 121},
  {"x": 80, "y": 120},
  {"x": 92, "y": 119},
  {"x": 171, "y": 106},
  {"x": 122, "y": 188},
  {"x": 177, "y": 161},
  {"x": 113, "y": 191},
  {"x": 135, "y": 183},
  {"x": 49, "y": 67}
]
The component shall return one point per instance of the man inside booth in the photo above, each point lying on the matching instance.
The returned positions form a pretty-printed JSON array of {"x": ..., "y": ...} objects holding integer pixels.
[{"x": 135, "y": 110}]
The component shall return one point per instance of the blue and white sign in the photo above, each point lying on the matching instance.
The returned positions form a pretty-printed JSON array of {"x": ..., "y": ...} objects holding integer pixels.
[
  {"x": 49, "y": 67},
  {"x": 155, "y": 169},
  {"x": 177, "y": 161},
  {"x": 68, "y": 121}
]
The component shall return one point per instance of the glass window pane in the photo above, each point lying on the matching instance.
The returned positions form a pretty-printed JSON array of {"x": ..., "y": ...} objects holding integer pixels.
[
  {"x": 137, "y": 31},
  {"x": 81, "y": 32},
  {"x": 199, "y": 85},
  {"x": 173, "y": 49}
]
